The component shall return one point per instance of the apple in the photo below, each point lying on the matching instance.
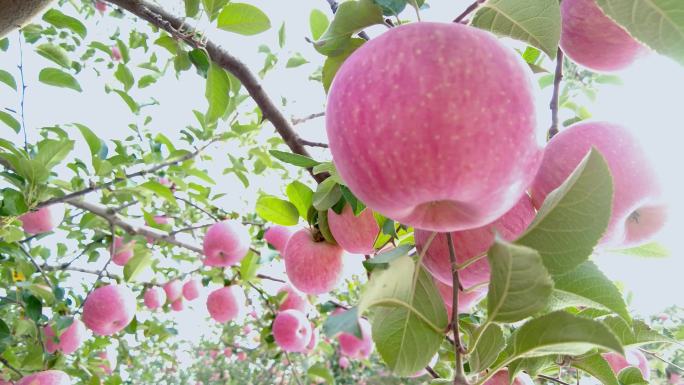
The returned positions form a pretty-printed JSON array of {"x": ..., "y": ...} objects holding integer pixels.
[
  {"x": 226, "y": 243},
  {"x": 109, "y": 309},
  {"x": 632, "y": 357},
  {"x": 473, "y": 243},
  {"x": 122, "y": 253},
  {"x": 313, "y": 266},
  {"x": 637, "y": 211},
  {"x": 292, "y": 299},
  {"x": 44, "y": 219},
  {"x": 116, "y": 53},
  {"x": 177, "y": 305},
  {"x": 291, "y": 330},
  {"x": 228, "y": 352},
  {"x": 501, "y": 378},
  {"x": 343, "y": 362},
  {"x": 173, "y": 290},
  {"x": 154, "y": 297},
  {"x": 241, "y": 356},
  {"x": 593, "y": 40},
  {"x": 355, "y": 234},
  {"x": 246, "y": 329},
  {"x": 68, "y": 341},
  {"x": 191, "y": 289},
  {"x": 453, "y": 104},
  {"x": 352, "y": 346},
  {"x": 101, "y": 6},
  {"x": 109, "y": 360},
  {"x": 466, "y": 299},
  {"x": 277, "y": 236},
  {"x": 158, "y": 219},
  {"x": 226, "y": 303},
  {"x": 47, "y": 377}
]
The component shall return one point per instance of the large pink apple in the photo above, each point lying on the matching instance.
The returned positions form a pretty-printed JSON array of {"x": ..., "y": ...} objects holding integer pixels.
[
  {"x": 632, "y": 357},
  {"x": 593, "y": 40},
  {"x": 452, "y": 104},
  {"x": 44, "y": 219},
  {"x": 352, "y": 346},
  {"x": 173, "y": 290},
  {"x": 226, "y": 303},
  {"x": 469, "y": 244},
  {"x": 293, "y": 300},
  {"x": 355, "y": 234},
  {"x": 313, "y": 266},
  {"x": 109, "y": 309},
  {"x": 226, "y": 243},
  {"x": 501, "y": 378},
  {"x": 122, "y": 252},
  {"x": 277, "y": 236},
  {"x": 191, "y": 289},
  {"x": 638, "y": 211},
  {"x": 466, "y": 299},
  {"x": 68, "y": 341},
  {"x": 47, "y": 377},
  {"x": 154, "y": 297},
  {"x": 291, "y": 330}
]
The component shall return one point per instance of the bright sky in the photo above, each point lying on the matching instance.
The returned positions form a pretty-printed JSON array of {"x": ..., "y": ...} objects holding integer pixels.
[{"x": 649, "y": 102}]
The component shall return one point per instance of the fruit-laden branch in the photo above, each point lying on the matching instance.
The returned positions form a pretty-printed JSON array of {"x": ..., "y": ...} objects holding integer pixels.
[
  {"x": 175, "y": 26},
  {"x": 558, "y": 77},
  {"x": 471, "y": 8}
]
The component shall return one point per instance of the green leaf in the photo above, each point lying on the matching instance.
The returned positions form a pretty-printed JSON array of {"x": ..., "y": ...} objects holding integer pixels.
[
  {"x": 489, "y": 345},
  {"x": 573, "y": 217},
  {"x": 536, "y": 22},
  {"x": 54, "y": 53},
  {"x": 391, "y": 7},
  {"x": 93, "y": 141},
  {"x": 594, "y": 289},
  {"x": 531, "y": 365},
  {"x": 638, "y": 333},
  {"x": 137, "y": 265},
  {"x": 10, "y": 121},
  {"x": 350, "y": 18},
  {"x": 277, "y": 210},
  {"x": 296, "y": 60},
  {"x": 320, "y": 372},
  {"x": 8, "y": 79},
  {"x": 34, "y": 308},
  {"x": 58, "y": 78},
  {"x": 51, "y": 152},
  {"x": 318, "y": 23},
  {"x": 301, "y": 196},
  {"x": 244, "y": 19},
  {"x": 520, "y": 285},
  {"x": 649, "y": 250},
  {"x": 631, "y": 376},
  {"x": 345, "y": 322},
  {"x": 4, "y": 44},
  {"x": 12, "y": 203},
  {"x": 218, "y": 86},
  {"x": 386, "y": 257},
  {"x": 132, "y": 104},
  {"x": 561, "y": 333},
  {"x": 192, "y": 8},
  {"x": 212, "y": 7},
  {"x": 125, "y": 76},
  {"x": 60, "y": 20},
  {"x": 657, "y": 23},
  {"x": 408, "y": 318},
  {"x": 598, "y": 367},
  {"x": 327, "y": 194},
  {"x": 249, "y": 266},
  {"x": 5, "y": 334},
  {"x": 160, "y": 190},
  {"x": 294, "y": 159},
  {"x": 333, "y": 63},
  {"x": 281, "y": 35}
]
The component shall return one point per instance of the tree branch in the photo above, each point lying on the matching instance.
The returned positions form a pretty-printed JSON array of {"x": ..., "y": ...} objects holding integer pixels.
[
  {"x": 23, "y": 91},
  {"x": 313, "y": 144},
  {"x": 459, "y": 377},
  {"x": 296, "y": 121},
  {"x": 554, "y": 379},
  {"x": 471, "y": 8},
  {"x": 431, "y": 371},
  {"x": 12, "y": 368},
  {"x": 558, "y": 77}
]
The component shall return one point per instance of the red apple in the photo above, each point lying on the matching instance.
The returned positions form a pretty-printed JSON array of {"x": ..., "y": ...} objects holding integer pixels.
[
  {"x": 501, "y": 378},
  {"x": 68, "y": 341},
  {"x": 226, "y": 303},
  {"x": 122, "y": 253},
  {"x": 177, "y": 305},
  {"x": 473, "y": 243},
  {"x": 228, "y": 352},
  {"x": 450, "y": 102},
  {"x": 191, "y": 289},
  {"x": 632, "y": 357},
  {"x": 101, "y": 6},
  {"x": 47, "y": 377},
  {"x": 352, "y": 346},
  {"x": 638, "y": 211},
  {"x": 226, "y": 243},
  {"x": 109, "y": 309},
  {"x": 44, "y": 219},
  {"x": 343, "y": 362},
  {"x": 291, "y": 330},
  {"x": 277, "y": 236},
  {"x": 355, "y": 234},
  {"x": 241, "y": 356},
  {"x": 313, "y": 267},
  {"x": 593, "y": 40},
  {"x": 173, "y": 290},
  {"x": 292, "y": 300},
  {"x": 154, "y": 297},
  {"x": 116, "y": 53}
]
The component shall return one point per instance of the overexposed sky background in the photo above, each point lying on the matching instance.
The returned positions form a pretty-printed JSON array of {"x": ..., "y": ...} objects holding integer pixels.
[{"x": 650, "y": 102}]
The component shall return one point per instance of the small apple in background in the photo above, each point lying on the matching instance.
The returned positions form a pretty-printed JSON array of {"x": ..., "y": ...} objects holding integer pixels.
[
  {"x": 154, "y": 297},
  {"x": 44, "y": 219},
  {"x": 593, "y": 40},
  {"x": 122, "y": 253},
  {"x": 226, "y": 243},
  {"x": 241, "y": 356},
  {"x": 101, "y": 6},
  {"x": 355, "y": 234},
  {"x": 173, "y": 290},
  {"x": 293, "y": 300},
  {"x": 160, "y": 220},
  {"x": 343, "y": 362},
  {"x": 228, "y": 352},
  {"x": 246, "y": 329},
  {"x": 116, "y": 53},
  {"x": 226, "y": 303},
  {"x": 312, "y": 267},
  {"x": 277, "y": 236},
  {"x": 109, "y": 359},
  {"x": 675, "y": 379},
  {"x": 109, "y": 309},
  {"x": 68, "y": 341},
  {"x": 352, "y": 346},
  {"x": 469, "y": 244},
  {"x": 253, "y": 314},
  {"x": 638, "y": 211},
  {"x": 191, "y": 289},
  {"x": 47, "y": 377},
  {"x": 213, "y": 354},
  {"x": 291, "y": 330},
  {"x": 393, "y": 101},
  {"x": 177, "y": 305},
  {"x": 501, "y": 378},
  {"x": 632, "y": 357},
  {"x": 466, "y": 299}
]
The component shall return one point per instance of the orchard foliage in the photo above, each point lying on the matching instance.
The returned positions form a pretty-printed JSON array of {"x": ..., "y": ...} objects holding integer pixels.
[{"x": 476, "y": 241}]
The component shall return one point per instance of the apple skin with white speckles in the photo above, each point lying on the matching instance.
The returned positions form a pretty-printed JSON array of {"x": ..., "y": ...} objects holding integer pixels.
[
  {"x": 313, "y": 267},
  {"x": 354, "y": 233},
  {"x": 449, "y": 103},
  {"x": 592, "y": 40},
  {"x": 638, "y": 211}
]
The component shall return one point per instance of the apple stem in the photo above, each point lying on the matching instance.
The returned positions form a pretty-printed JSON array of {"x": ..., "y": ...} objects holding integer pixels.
[
  {"x": 558, "y": 77},
  {"x": 459, "y": 378}
]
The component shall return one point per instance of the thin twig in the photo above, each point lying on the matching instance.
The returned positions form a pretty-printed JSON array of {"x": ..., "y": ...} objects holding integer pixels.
[
  {"x": 23, "y": 91},
  {"x": 190, "y": 203},
  {"x": 10, "y": 367},
  {"x": 313, "y": 144},
  {"x": 471, "y": 8},
  {"x": 554, "y": 379},
  {"x": 33, "y": 262},
  {"x": 431, "y": 371},
  {"x": 459, "y": 378},
  {"x": 558, "y": 77},
  {"x": 655, "y": 355},
  {"x": 296, "y": 121}
]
